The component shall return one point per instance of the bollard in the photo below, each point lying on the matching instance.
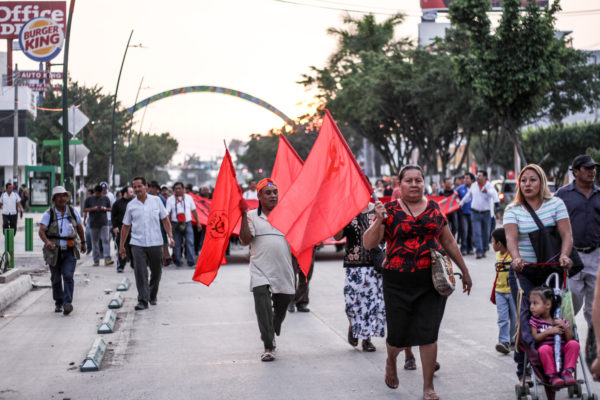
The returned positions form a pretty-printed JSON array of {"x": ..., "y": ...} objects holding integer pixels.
[
  {"x": 9, "y": 246},
  {"x": 108, "y": 322},
  {"x": 28, "y": 234}
]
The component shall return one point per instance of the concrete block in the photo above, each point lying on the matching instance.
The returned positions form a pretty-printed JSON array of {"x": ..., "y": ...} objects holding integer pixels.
[
  {"x": 94, "y": 357},
  {"x": 12, "y": 291},
  {"x": 10, "y": 275},
  {"x": 116, "y": 301},
  {"x": 124, "y": 285},
  {"x": 108, "y": 322}
]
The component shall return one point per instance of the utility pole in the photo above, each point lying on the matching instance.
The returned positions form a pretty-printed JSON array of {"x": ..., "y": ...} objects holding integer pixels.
[{"x": 16, "y": 127}]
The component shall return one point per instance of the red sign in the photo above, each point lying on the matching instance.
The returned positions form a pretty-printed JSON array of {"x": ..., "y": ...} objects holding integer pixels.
[
  {"x": 39, "y": 75},
  {"x": 14, "y": 14},
  {"x": 444, "y": 4}
]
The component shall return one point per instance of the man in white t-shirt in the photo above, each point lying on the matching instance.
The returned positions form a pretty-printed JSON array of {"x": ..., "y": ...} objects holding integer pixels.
[
  {"x": 181, "y": 207},
  {"x": 10, "y": 203},
  {"x": 480, "y": 194},
  {"x": 251, "y": 193}
]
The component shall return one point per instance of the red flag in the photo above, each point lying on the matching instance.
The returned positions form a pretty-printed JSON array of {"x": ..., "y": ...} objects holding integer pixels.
[
  {"x": 224, "y": 215},
  {"x": 447, "y": 204},
  {"x": 330, "y": 190},
  {"x": 202, "y": 209},
  {"x": 287, "y": 166}
]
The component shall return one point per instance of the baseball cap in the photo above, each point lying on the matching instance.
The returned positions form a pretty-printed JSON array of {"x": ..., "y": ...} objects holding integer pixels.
[{"x": 583, "y": 160}]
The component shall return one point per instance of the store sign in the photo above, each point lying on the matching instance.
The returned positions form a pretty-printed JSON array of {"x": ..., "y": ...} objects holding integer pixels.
[
  {"x": 39, "y": 75},
  {"x": 14, "y": 14},
  {"x": 41, "y": 39}
]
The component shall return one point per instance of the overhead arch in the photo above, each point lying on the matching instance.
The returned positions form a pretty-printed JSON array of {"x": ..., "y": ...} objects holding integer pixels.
[{"x": 211, "y": 89}]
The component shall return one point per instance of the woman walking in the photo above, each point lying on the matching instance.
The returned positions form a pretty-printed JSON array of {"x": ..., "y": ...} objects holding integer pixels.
[{"x": 412, "y": 226}]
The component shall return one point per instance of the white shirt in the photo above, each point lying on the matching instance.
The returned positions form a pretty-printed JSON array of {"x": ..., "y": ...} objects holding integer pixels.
[
  {"x": 65, "y": 228},
  {"x": 111, "y": 198},
  {"x": 177, "y": 205},
  {"x": 250, "y": 195},
  {"x": 481, "y": 201},
  {"x": 9, "y": 203},
  {"x": 144, "y": 219}
]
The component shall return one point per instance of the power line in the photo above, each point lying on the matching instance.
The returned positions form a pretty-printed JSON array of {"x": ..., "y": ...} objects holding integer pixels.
[{"x": 337, "y": 8}]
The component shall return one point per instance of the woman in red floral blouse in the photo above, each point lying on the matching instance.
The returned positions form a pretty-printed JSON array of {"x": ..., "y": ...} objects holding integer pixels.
[{"x": 411, "y": 226}]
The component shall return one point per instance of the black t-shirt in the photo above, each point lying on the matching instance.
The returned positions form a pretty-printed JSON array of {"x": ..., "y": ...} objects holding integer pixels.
[{"x": 97, "y": 218}]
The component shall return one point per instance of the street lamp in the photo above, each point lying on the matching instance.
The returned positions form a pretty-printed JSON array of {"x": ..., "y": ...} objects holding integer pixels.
[{"x": 112, "y": 131}]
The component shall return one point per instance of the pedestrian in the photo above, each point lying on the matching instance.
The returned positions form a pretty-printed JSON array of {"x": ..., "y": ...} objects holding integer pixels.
[
  {"x": 60, "y": 229},
  {"x": 97, "y": 207},
  {"x": 412, "y": 226},
  {"x": 24, "y": 195},
  {"x": 453, "y": 216},
  {"x": 532, "y": 189},
  {"x": 363, "y": 290},
  {"x": 582, "y": 199},
  {"x": 86, "y": 224},
  {"x": 301, "y": 300},
  {"x": 118, "y": 212},
  {"x": 480, "y": 194},
  {"x": 464, "y": 215},
  {"x": 505, "y": 304},
  {"x": 143, "y": 217},
  {"x": 181, "y": 207},
  {"x": 155, "y": 190},
  {"x": 379, "y": 188},
  {"x": 10, "y": 203},
  {"x": 251, "y": 193},
  {"x": 271, "y": 270},
  {"x": 165, "y": 192}
]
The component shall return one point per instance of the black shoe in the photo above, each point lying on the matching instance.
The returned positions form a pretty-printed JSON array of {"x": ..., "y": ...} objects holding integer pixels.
[
  {"x": 68, "y": 308},
  {"x": 303, "y": 309},
  {"x": 367, "y": 346},
  {"x": 141, "y": 306},
  {"x": 351, "y": 339},
  {"x": 120, "y": 269},
  {"x": 58, "y": 309},
  {"x": 153, "y": 302},
  {"x": 291, "y": 308}
]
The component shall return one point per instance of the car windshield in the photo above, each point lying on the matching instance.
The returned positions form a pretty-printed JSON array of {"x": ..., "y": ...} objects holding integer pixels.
[{"x": 510, "y": 186}]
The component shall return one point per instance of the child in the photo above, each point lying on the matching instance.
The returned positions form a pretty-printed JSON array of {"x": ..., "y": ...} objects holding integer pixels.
[
  {"x": 505, "y": 304},
  {"x": 543, "y": 328}
]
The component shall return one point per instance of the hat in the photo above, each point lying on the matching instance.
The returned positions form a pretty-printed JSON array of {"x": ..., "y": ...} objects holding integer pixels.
[
  {"x": 265, "y": 182},
  {"x": 104, "y": 185},
  {"x": 583, "y": 160},
  {"x": 58, "y": 190}
]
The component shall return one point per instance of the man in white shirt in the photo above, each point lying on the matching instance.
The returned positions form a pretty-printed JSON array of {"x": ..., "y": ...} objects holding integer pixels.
[
  {"x": 481, "y": 194},
  {"x": 10, "y": 203},
  {"x": 251, "y": 193},
  {"x": 142, "y": 218},
  {"x": 180, "y": 207}
]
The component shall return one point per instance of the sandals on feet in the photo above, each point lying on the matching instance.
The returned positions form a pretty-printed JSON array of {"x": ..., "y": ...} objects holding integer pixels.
[
  {"x": 351, "y": 339},
  {"x": 267, "y": 356},
  {"x": 410, "y": 364},
  {"x": 430, "y": 396},
  {"x": 391, "y": 379}
]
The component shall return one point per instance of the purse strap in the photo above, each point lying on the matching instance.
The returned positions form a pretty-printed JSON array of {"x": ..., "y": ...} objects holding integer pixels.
[{"x": 534, "y": 215}]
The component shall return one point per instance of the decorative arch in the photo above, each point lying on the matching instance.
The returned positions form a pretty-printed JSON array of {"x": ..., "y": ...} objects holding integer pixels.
[{"x": 211, "y": 89}]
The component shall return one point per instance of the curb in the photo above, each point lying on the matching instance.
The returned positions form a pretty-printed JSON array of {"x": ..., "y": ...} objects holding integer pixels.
[
  {"x": 11, "y": 292},
  {"x": 94, "y": 357}
]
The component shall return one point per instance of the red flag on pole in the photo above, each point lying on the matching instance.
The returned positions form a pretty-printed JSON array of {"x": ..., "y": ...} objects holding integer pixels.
[
  {"x": 330, "y": 190},
  {"x": 222, "y": 218},
  {"x": 287, "y": 166}
]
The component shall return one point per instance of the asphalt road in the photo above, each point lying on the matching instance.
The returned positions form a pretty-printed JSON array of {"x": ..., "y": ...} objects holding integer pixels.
[{"x": 203, "y": 343}]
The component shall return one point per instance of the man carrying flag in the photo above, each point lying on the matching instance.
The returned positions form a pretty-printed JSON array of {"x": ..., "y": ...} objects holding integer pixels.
[{"x": 271, "y": 271}]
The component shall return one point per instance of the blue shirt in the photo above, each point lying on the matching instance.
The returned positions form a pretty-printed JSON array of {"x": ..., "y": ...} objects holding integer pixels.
[
  {"x": 584, "y": 214},
  {"x": 462, "y": 191},
  {"x": 144, "y": 219},
  {"x": 65, "y": 228}
]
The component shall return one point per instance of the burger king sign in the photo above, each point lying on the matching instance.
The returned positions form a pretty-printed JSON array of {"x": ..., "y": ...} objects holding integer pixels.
[{"x": 41, "y": 39}]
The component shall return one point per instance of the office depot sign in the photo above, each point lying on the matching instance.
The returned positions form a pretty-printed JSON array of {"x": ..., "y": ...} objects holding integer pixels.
[
  {"x": 14, "y": 14},
  {"x": 41, "y": 39}
]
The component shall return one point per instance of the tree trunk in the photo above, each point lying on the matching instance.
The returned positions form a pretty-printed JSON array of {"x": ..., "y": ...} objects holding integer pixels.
[{"x": 516, "y": 139}]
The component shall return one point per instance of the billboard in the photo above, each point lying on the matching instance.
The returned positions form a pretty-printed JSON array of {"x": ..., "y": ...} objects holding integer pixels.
[
  {"x": 443, "y": 4},
  {"x": 14, "y": 14}
]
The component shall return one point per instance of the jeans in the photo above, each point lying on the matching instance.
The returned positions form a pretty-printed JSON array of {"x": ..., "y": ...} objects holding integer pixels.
[
  {"x": 481, "y": 231},
  {"x": 61, "y": 277},
  {"x": 144, "y": 258},
  {"x": 188, "y": 237},
  {"x": 270, "y": 312},
  {"x": 466, "y": 234},
  {"x": 570, "y": 351},
  {"x": 88, "y": 237},
  {"x": 100, "y": 234},
  {"x": 507, "y": 317}
]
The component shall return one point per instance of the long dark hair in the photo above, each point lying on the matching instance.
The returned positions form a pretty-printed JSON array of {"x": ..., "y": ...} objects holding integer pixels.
[{"x": 546, "y": 294}]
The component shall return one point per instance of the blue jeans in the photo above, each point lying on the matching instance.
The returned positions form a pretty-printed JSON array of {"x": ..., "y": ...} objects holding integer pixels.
[
  {"x": 179, "y": 237},
  {"x": 481, "y": 231},
  {"x": 61, "y": 274},
  {"x": 507, "y": 317},
  {"x": 465, "y": 232}
]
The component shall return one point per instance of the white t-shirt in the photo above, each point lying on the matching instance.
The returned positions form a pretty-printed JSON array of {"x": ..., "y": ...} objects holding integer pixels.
[
  {"x": 177, "y": 205},
  {"x": 9, "y": 203},
  {"x": 250, "y": 195},
  {"x": 144, "y": 219}
]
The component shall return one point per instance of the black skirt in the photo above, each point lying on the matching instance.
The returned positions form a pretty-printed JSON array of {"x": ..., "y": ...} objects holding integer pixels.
[{"x": 414, "y": 309}]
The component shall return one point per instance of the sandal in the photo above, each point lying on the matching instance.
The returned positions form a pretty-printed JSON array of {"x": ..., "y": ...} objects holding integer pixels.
[
  {"x": 391, "y": 379},
  {"x": 267, "y": 356},
  {"x": 430, "y": 396},
  {"x": 437, "y": 367},
  {"x": 410, "y": 364},
  {"x": 367, "y": 346},
  {"x": 351, "y": 339}
]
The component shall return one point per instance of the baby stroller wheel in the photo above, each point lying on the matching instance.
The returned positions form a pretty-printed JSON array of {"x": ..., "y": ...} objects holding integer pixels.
[{"x": 521, "y": 391}]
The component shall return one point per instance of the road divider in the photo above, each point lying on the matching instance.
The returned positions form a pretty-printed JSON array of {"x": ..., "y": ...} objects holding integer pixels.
[
  {"x": 116, "y": 301},
  {"x": 94, "y": 357},
  {"x": 108, "y": 322},
  {"x": 124, "y": 285}
]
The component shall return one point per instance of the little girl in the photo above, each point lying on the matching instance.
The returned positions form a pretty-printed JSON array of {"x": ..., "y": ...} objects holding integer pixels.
[{"x": 543, "y": 328}]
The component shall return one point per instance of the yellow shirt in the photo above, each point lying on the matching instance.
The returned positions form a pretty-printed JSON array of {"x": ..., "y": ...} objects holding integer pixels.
[{"x": 503, "y": 261}]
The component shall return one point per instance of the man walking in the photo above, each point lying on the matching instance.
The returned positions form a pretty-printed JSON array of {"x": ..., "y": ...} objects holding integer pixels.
[
  {"x": 464, "y": 215},
  {"x": 271, "y": 271},
  {"x": 180, "y": 207},
  {"x": 481, "y": 196},
  {"x": 582, "y": 198},
  {"x": 118, "y": 212},
  {"x": 143, "y": 217},
  {"x": 58, "y": 229},
  {"x": 97, "y": 206},
  {"x": 10, "y": 203},
  {"x": 251, "y": 193}
]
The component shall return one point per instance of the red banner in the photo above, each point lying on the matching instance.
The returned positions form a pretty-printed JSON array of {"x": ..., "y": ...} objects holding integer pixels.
[{"x": 14, "y": 14}]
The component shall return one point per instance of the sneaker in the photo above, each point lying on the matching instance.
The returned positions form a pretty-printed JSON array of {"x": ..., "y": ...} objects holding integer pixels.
[
  {"x": 120, "y": 269},
  {"x": 302, "y": 308},
  {"x": 503, "y": 347},
  {"x": 167, "y": 262},
  {"x": 96, "y": 263},
  {"x": 67, "y": 309},
  {"x": 58, "y": 309},
  {"x": 153, "y": 302},
  {"x": 555, "y": 380},
  {"x": 567, "y": 376},
  {"x": 141, "y": 306},
  {"x": 291, "y": 308},
  {"x": 109, "y": 262}
]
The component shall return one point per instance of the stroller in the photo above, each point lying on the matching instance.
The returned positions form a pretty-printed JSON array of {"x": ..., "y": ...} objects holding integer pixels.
[{"x": 526, "y": 344}]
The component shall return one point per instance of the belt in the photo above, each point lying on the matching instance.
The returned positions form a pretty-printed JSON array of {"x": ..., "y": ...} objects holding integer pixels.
[
  {"x": 480, "y": 212},
  {"x": 587, "y": 250}
]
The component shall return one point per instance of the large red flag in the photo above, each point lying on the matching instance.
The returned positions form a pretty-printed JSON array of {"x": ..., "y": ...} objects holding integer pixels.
[
  {"x": 330, "y": 190},
  {"x": 223, "y": 217},
  {"x": 287, "y": 166}
]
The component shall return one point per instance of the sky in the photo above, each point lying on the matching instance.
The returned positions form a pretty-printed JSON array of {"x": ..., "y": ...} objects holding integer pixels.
[{"x": 261, "y": 47}]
